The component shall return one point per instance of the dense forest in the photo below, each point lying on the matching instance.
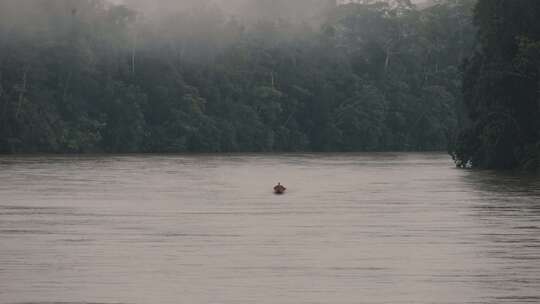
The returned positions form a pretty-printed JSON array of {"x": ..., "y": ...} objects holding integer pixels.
[
  {"x": 502, "y": 88},
  {"x": 82, "y": 76}
]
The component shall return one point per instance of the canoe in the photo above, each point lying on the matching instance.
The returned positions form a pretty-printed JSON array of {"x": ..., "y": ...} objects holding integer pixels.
[{"x": 279, "y": 189}]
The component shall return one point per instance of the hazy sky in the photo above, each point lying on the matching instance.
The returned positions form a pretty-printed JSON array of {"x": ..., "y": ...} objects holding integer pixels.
[{"x": 237, "y": 7}]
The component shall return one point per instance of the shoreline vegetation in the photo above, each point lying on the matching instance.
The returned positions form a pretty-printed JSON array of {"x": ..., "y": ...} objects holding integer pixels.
[
  {"x": 501, "y": 89},
  {"x": 89, "y": 76}
]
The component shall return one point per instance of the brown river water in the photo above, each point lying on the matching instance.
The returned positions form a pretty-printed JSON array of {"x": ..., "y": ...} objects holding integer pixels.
[{"x": 352, "y": 228}]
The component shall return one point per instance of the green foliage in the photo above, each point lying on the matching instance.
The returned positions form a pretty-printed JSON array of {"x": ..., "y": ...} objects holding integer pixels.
[
  {"x": 88, "y": 76},
  {"x": 502, "y": 88}
]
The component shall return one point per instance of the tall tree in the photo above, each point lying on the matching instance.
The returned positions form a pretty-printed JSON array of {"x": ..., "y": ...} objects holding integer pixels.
[{"x": 501, "y": 88}]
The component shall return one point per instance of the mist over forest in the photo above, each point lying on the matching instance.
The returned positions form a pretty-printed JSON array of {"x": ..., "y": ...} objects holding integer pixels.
[{"x": 237, "y": 76}]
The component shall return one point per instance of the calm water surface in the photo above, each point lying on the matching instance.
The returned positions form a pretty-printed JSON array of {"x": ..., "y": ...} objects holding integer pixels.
[{"x": 360, "y": 228}]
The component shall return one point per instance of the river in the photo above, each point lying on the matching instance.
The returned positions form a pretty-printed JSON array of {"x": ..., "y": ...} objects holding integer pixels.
[{"x": 352, "y": 228}]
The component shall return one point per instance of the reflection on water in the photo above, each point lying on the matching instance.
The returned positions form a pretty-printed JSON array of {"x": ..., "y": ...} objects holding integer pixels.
[{"x": 358, "y": 228}]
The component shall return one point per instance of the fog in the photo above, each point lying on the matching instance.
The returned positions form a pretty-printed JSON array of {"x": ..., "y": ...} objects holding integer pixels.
[
  {"x": 247, "y": 10},
  {"x": 38, "y": 14},
  {"x": 244, "y": 10},
  {"x": 229, "y": 75}
]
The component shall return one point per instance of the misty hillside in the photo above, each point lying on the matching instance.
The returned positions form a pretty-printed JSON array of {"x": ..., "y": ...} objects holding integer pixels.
[{"x": 305, "y": 75}]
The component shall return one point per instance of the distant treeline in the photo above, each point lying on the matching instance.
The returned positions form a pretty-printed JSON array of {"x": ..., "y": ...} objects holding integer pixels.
[
  {"x": 88, "y": 76},
  {"x": 502, "y": 88}
]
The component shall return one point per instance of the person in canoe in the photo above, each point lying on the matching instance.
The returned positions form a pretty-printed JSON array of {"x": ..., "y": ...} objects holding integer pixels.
[{"x": 279, "y": 189}]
